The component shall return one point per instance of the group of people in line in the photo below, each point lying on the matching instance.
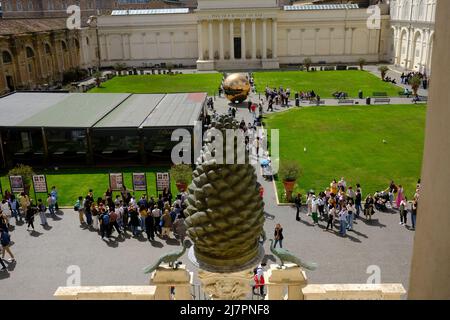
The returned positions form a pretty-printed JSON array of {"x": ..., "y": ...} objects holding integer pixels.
[
  {"x": 406, "y": 77},
  {"x": 23, "y": 210},
  {"x": 342, "y": 204},
  {"x": 161, "y": 217}
]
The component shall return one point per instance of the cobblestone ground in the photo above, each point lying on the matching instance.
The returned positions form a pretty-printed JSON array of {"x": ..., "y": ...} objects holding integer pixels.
[{"x": 45, "y": 256}]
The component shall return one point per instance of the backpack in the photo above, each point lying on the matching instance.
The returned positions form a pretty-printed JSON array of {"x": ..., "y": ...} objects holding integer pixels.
[{"x": 105, "y": 219}]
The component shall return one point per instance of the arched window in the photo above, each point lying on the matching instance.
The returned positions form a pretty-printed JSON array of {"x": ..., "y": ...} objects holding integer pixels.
[
  {"x": 77, "y": 44},
  {"x": 6, "y": 57},
  {"x": 48, "y": 50},
  {"x": 64, "y": 45},
  {"x": 87, "y": 40},
  {"x": 406, "y": 9},
  {"x": 30, "y": 52}
]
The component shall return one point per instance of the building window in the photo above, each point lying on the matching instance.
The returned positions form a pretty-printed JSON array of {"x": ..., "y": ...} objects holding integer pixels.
[
  {"x": 30, "y": 5},
  {"x": 63, "y": 46},
  {"x": 87, "y": 41},
  {"x": 30, "y": 52},
  {"x": 19, "y": 5},
  {"x": 47, "y": 49},
  {"x": 6, "y": 57},
  {"x": 8, "y": 6},
  {"x": 30, "y": 68}
]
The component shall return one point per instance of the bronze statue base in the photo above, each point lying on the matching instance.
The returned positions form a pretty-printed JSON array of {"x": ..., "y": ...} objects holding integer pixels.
[{"x": 224, "y": 266}]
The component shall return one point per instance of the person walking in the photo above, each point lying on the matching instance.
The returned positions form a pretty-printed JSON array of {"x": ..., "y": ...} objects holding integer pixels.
[
  {"x": 113, "y": 217},
  {"x": 358, "y": 201},
  {"x": 142, "y": 216},
  {"x": 87, "y": 211},
  {"x": 134, "y": 219},
  {"x": 400, "y": 196},
  {"x": 14, "y": 206},
  {"x": 331, "y": 215},
  {"x": 278, "y": 235},
  {"x": 166, "y": 224},
  {"x": 24, "y": 202},
  {"x": 343, "y": 216},
  {"x": 414, "y": 214},
  {"x": 298, "y": 205},
  {"x": 156, "y": 214},
  {"x": 179, "y": 228},
  {"x": 54, "y": 194},
  {"x": 29, "y": 218},
  {"x": 368, "y": 207},
  {"x": 95, "y": 214},
  {"x": 403, "y": 212},
  {"x": 5, "y": 240},
  {"x": 104, "y": 224},
  {"x": 42, "y": 209},
  {"x": 351, "y": 212},
  {"x": 149, "y": 227},
  {"x": 80, "y": 208},
  {"x": 51, "y": 204},
  {"x": 314, "y": 214}
]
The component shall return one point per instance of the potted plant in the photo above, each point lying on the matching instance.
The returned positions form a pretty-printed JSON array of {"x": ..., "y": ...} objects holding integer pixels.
[
  {"x": 289, "y": 173},
  {"x": 415, "y": 84},
  {"x": 383, "y": 70},
  {"x": 307, "y": 63},
  {"x": 182, "y": 174},
  {"x": 361, "y": 63}
]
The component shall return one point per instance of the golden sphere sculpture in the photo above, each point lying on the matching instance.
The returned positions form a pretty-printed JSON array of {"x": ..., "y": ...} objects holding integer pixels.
[{"x": 236, "y": 87}]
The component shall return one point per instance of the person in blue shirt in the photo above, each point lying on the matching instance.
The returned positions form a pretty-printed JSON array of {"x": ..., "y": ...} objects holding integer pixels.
[
  {"x": 54, "y": 194},
  {"x": 14, "y": 206}
]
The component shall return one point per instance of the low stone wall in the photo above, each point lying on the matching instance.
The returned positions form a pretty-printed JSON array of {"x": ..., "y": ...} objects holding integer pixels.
[
  {"x": 392, "y": 291},
  {"x": 106, "y": 293}
]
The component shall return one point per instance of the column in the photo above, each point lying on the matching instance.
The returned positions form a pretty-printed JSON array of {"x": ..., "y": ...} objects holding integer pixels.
[
  {"x": 430, "y": 267},
  {"x": 123, "y": 45},
  {"x": 243, "y": 39},
  {"x": 264, "y": 39},
  {"x": 105, "y": 39},
  {"x": 427, "y": 45},
  {"x": 210, "y": 40},
  {"x": 200, "y": 40},
  {"x": 316, "y": 40},
  {"x": 221, "y": 40},
  {"x": 351, "y": 40},
  {"x": 129, "y": 46},
  {"x": 231, "y": 40},
  {"x": 253, "y": 39},
  {"x": 422, "y": 49},
  {"x": 408, "y": 48},
  {"x": 274, "y": 39}
]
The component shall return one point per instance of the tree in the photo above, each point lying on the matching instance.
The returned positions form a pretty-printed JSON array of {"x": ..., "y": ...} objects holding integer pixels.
[
  {"x": 119, "y": 67},
  {"x": 307, "y": 62},
  {"x": 361, "y": 63},
  {"x": 383, "y": 70},
  {"x": 415, "y": 83}
]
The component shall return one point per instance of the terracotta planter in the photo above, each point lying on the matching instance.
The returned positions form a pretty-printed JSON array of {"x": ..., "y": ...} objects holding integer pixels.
[
  {"x": 181, "y": 186},
  {"x": 289, "y": 187}
]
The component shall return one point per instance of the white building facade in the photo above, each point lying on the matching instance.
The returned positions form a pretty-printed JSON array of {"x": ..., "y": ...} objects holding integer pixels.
[
  {"x": 412, "y": 23},
  {"x": 236, "y": 34}
]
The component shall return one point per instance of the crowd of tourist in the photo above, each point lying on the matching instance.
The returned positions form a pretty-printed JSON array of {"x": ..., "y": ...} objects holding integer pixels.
[
  {"x": 405, "y": 78},
  {"x": 160, "y": 217},
  {"x": 340, "y": 205}
]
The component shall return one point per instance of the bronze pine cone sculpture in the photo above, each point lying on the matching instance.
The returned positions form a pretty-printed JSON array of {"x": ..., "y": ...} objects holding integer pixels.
[{"x": 225, "y": 213}]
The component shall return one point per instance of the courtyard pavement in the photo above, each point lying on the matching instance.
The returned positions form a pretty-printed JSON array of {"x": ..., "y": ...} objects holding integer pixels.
[{"x": 46, "y": 258}]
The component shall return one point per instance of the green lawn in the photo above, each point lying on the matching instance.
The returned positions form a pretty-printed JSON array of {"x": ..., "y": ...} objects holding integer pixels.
[
  {"x": 207, "y": 82},
  {"x": 74, "y": 183},
  {"x": 325, "y": 83},
  {"x": 348, "y": 141}
]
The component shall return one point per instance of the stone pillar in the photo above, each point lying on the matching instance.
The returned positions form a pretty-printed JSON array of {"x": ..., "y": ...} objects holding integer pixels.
[
  {"x": 291, "y": 277},
  {"x": 122, "y": 37},
  {"x": 231, "y": 40},
  {"x": 408, "y": 49},
  {"x": 166, "y": 277},
  {"x": 264, "y": 39},
  {"x": 226, "y": 286},
  {"x": 243, "y": 39},
  {"x": 210, "y": 40},
  {"x": 274, "y": 39},
  {"x": 200, "y": 40},
  {"x": 253, "y": 39},
  {"x": 430, "y": 268},
  {"x": 221, "y": 56}
]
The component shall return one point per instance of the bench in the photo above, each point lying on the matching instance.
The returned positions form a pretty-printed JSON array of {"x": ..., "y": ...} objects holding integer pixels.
[
  {"x": 382, "y": 100},
  {"x": 315, "y": 102},
  {"x": 346, "y": 101},
  {"x": 420, "y": 99},
  {"x": 402, "y": 94},
  {"x": 379, "y": 94}
]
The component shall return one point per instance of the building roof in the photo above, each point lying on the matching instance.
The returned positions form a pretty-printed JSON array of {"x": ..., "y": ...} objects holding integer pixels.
[
  {"x": 16, "y": 108},
  {"x": 16, "y": 26},
  {"x": 176, "y": 110},
  {"x": 149, "y": 11},
  {"x": 77, "y": 110},
  {"x": 322, "y": 7},
  {"x": 100, "y": 110},
  {"x": 132, "y": 112}
]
